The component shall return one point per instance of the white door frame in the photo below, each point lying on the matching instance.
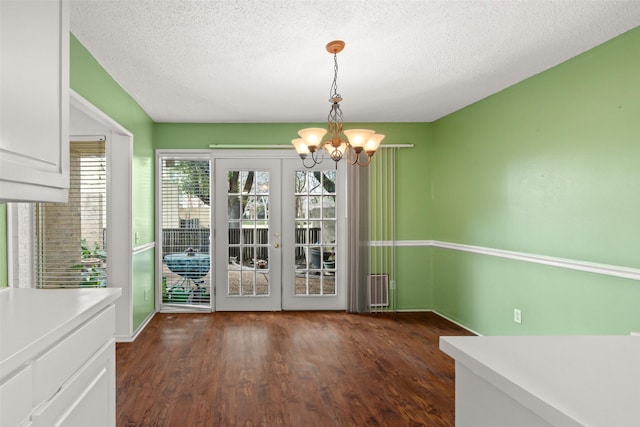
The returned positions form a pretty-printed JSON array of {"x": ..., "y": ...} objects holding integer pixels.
[
  {"x": 186, "y": 155},
  {"x": 339, "y": 302},
  {"x": 87, "y": 121},
  {"x": 119, "y": 146}
]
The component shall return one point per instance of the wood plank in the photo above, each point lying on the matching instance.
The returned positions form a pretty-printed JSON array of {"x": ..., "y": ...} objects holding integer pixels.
[{"x": 287, "y": 369}]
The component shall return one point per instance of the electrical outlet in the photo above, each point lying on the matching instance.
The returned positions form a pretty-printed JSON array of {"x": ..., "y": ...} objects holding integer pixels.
[
  {"x": 146, "y": 294},
  {"x": 517, "y": 315}
]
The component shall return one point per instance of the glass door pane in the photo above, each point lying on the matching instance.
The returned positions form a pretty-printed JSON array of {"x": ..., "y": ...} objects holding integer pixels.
[
  {"x": 247, "y": 222},
  {"x": 315, "y": 230},
  {"x": 249, "y": 240},
  {"x": 313, "y": 218}
]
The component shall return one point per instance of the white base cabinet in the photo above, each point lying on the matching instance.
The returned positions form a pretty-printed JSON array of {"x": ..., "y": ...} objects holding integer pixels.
[
  {"x": 87, "y": 399},
  {"x": 542, "y": 381},
  {"x": 57, "y": 357}
]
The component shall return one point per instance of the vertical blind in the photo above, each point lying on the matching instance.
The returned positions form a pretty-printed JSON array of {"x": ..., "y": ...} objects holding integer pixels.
[
  {"x": 70, "y": 246},
  {"x": 382, "y": 204}
]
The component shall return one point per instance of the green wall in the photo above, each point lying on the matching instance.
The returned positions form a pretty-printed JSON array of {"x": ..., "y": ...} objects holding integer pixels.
[
  {"x": 91, "y": 81},
  {"x": 549, "y": 166},
  {"x": 143, "y": 296},
  {"x": 4, "y": 273},
  {"x": 413, "y": 205}
]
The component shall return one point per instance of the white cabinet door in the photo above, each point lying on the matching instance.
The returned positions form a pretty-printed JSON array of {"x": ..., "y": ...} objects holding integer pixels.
[
  {"x": 88, "y": 399},
  {"x": 16, "y": 397},
  {"x": 34, "y": 100}
]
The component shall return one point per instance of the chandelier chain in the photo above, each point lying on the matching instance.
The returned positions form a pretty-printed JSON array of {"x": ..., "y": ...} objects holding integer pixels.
[
  {"x": 335, "y": 113},
  {"x": 334, "y": 86}
]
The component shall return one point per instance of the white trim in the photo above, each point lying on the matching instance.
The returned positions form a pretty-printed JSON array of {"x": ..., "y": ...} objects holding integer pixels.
[
  {"x": 132, "y": 338},
  {"x": 456, "y": 322},
  {"x": 119, "y": 176},
  {"x": 430, "y": 310},
  {"x": 76, "y": 100},
  {"x": 591, "y": 267},
  {"x": 184, "y": 308},
  {"x": 412, "y": 243},
  {"x": 395, "y": 146},
  {"x": 285, "y": 146},
  {"x": 251, "y": 146},
  {"x": 84, "y": 138},
  {"x": 143, "y": 248},
  {"x": 226, "y": 153},
  {"x": 187, "y": 154},
  {"x": 20, "y": 241}
]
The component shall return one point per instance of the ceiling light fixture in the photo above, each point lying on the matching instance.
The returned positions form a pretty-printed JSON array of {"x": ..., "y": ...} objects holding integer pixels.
[{"x": 358, "y": 141}]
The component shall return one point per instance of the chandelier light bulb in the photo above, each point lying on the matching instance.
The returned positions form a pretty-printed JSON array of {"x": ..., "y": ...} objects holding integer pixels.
[
  {"x": 334, "y": 152},
  {"x": 312, "y": 137},
  {"x": 301, "y": 147},
  {"x": 373, "y": 143},
  {"x": 358, "y": 137}
]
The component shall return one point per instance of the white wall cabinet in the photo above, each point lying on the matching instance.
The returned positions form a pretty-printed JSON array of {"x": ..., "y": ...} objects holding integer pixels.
[
  {"x": 57, "y": 359},
  {"x": 34, "y": 100}
]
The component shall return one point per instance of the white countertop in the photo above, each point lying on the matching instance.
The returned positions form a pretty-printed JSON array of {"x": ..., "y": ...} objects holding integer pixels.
[
  {"x": 567, "y": 380},
  {"x": 33, "y": 319}
]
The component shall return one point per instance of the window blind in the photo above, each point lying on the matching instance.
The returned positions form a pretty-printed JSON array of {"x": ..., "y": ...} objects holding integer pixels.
[
  {"x": 185, "y": 208},
  {"x": 70, "y": 246},
  {"x": 382, "y": 256}
]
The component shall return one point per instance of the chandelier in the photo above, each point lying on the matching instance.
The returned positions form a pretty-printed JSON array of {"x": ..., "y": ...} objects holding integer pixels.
[{"x": 358, "y": 142}]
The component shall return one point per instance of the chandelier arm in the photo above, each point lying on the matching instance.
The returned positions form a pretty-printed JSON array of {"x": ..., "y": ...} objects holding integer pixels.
[
  {"x": 304, "y": 163},
  {"x": 315, "y": 159},
  {"x": 363, "y": 164},
  {"x": 355, "y": 158},
  {"x": 352, "y": 156},
  {"x": 318, "y": 155}
]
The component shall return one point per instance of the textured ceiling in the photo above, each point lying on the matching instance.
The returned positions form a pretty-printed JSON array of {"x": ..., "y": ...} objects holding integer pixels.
[{"x": 265, "y": 60}]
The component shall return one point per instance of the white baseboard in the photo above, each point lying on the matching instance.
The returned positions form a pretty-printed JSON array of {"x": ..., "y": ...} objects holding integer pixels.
[
  {"x": 132, "y": 338},
  {"x": 457, "y": 323},
  {"x": 441, "y": 315}
]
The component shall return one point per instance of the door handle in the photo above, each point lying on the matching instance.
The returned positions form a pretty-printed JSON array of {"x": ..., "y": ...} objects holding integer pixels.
[{"x": 276, "y": 245}]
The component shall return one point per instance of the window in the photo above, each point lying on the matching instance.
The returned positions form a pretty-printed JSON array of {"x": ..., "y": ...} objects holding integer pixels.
[
  {"x": 185, "y": 210},
  {"x": 70, "y": 238}
]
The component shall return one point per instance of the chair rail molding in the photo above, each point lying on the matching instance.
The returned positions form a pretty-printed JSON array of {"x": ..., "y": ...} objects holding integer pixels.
[
  {"x": 142, "y": 248},
  {"x": 591, "y": 267}
]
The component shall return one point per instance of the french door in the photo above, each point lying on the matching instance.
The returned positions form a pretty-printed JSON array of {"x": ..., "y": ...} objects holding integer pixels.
[
  {"x": 248, "y": 235},
  {"x": 277, "y": 244}
]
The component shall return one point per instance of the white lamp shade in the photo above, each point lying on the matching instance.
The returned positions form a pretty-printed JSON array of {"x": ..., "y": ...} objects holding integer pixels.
[
  {"x": 358, "y": 137},
  {"x": 330, "y": 148},
  {"x": 374, "y": 142},
  {"x": 301, "y": 147},
  {"x": 312, "y": 136}
]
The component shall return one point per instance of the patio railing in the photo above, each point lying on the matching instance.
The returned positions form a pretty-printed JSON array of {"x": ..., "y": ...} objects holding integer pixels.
[{"x": 176, "y": 240}]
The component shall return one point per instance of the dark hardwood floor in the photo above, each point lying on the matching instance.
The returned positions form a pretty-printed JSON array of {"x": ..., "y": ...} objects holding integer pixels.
[{"x": 287, "y": 369}]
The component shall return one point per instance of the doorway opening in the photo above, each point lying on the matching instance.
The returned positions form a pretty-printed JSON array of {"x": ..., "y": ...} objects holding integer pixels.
[{"x": 249, "y": 231}]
